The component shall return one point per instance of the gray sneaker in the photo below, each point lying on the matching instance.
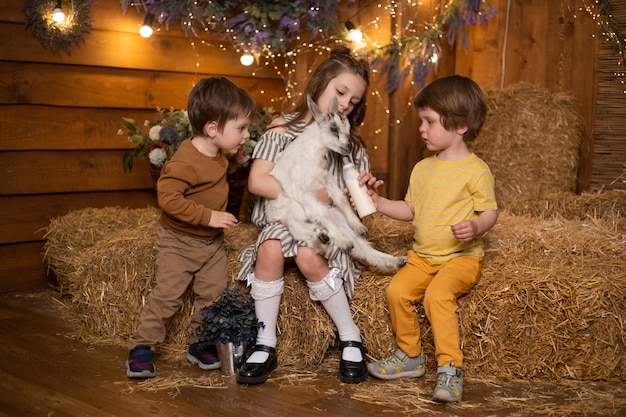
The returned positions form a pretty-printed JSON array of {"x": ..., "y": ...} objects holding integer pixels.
[
  {"x": 398, "y": 365},
  {"x": 449, "y": 387}
]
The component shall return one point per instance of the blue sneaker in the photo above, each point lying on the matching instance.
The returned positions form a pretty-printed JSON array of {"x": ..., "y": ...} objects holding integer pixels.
[
  {"x": 204, "y": 356},
  {"x": 139, "y": 363}
]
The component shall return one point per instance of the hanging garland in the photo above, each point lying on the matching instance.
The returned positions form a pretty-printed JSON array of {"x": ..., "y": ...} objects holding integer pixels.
[
  {"x": 418, "y": 55},
  {"x": 259, "y": 27},
  {"x": 271, "y": 27},
  {"x": 609, "y": 28},
  {"x": 59, "y": 36}
]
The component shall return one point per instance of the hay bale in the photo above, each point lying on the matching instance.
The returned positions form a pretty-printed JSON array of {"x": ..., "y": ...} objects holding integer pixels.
[
  {"x": 103, "y": 260},
  {"x": 530, "y": 140},
  {"x": 550, "y": 303},
  {"x": 607, "y": 205}
]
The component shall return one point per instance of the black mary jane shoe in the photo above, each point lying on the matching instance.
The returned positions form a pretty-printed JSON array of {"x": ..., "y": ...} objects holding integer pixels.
[
  {"x": 257, "y": 373},
  {"x": 352, "y": 372}
]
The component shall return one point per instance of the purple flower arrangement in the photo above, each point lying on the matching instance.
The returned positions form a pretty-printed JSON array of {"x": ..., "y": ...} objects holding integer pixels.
[{"x": 230, "y": 319}]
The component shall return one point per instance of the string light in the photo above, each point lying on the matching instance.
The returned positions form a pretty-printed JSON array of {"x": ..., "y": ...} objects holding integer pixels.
[
  {"x": 600, "y": 11},
  {"x": 354, "y": 34},
  {"x": 57, "y": 14},
  {"x": 246, "y": 59},
  {"x": 146, "y": 29}
]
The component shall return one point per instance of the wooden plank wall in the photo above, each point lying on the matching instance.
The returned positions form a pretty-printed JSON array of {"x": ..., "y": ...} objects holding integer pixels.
[
  {"x": 550, "y": 44},
  {"x": 609, "y": 145},
  {"x": 59, "y": 148}
]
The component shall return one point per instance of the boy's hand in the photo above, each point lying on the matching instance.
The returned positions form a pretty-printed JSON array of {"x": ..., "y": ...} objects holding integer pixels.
[
  {"x": 464, "y": 231},
  {"x": 241, "y": 156},
  {"x": 468, "y": 229},
  {"x": 222, "y": 220},
  {"x": 369, "y": 180}
]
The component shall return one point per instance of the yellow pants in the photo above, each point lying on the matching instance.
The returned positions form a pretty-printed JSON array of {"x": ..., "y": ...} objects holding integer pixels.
[{"x": 439, "y": 286}]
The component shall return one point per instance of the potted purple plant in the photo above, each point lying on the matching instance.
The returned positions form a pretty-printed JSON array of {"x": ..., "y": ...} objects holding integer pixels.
[{"x": 231, "y": 325}]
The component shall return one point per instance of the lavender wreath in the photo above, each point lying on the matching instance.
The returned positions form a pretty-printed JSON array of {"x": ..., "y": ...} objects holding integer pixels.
[{"x": 63, "y": 35}]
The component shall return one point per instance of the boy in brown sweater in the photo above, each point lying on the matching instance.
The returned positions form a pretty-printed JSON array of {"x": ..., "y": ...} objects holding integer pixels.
[{"x": 192, "y": 194}]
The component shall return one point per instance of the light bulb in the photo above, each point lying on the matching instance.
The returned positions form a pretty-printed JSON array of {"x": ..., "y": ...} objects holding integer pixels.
[
  {"x": 146, "y": 30},
  {"x": 354, "y": 34},
  {"x": 246, "y": 59},
  {"x": 57, "y": 14}
]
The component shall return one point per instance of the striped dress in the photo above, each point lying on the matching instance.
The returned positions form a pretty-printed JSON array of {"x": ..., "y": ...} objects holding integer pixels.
[{"x": 269, "y": 147}]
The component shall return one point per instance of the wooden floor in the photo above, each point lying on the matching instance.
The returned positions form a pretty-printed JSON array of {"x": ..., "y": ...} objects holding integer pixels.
[{"x": 46, "y": 371}]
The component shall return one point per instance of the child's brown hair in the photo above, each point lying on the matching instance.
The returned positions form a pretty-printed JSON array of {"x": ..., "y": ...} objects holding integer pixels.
[
  {"x": 217, "y": 99},
  {"x": 458, "y": 100}
]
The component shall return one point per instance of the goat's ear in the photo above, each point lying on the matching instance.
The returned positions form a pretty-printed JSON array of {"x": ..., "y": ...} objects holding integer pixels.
[
  {"x": 333, "y": 106},
  {"x": 315, "y": 110}
]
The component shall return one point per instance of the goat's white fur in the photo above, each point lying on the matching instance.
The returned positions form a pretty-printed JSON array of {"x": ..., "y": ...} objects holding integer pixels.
[{"x": 301, "y": 171}]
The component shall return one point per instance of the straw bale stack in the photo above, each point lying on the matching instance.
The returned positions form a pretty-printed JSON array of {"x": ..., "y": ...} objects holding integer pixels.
[
  {"x": 530, "y": 140},
  {"x": 551, "y": 302},
  {"x": 103, "y": 261}
]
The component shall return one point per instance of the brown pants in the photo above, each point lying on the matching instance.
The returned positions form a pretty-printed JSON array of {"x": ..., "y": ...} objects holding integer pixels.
[{"x": 181, "y": 261}]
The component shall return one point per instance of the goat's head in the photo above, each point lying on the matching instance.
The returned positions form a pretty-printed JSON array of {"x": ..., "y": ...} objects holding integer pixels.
[{"x": 334, "y": 128}]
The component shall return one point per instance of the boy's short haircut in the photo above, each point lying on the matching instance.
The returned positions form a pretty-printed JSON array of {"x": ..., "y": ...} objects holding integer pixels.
[
  {"x": 458, "y": 100},
  {"x": 217, "y": 99}
]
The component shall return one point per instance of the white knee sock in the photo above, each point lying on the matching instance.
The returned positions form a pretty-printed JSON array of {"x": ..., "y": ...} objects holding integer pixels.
[
  {"x": 331, "y": 294},
  {"x": 267, "y": 297}
]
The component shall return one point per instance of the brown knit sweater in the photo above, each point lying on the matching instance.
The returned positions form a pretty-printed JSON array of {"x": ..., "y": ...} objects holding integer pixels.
[{"x": 190, "y": 187}]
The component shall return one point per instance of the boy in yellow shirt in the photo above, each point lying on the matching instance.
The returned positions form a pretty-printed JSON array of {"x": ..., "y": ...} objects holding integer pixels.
[{"x": 451, "y": 204}]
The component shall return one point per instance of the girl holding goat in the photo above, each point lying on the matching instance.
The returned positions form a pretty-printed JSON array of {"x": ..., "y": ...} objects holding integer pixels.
[{"x": 330, "y": 279}]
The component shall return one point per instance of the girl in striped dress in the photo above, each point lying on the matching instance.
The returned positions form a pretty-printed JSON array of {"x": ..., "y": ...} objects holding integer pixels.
[{"x": 331, "y": 277}]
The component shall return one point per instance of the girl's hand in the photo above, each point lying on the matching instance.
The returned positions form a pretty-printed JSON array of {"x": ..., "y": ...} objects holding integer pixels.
[{"x": 322, "y": 197}]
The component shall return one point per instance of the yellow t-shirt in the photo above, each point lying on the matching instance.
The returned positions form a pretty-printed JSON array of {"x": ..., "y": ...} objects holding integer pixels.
[{"x": 442, "y": 194}]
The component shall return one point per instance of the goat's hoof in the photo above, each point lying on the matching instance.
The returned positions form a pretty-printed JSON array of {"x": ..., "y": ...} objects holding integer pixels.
[
  {"x": 348, "y": 246},
  {"x": 323, "y": 237},
  {"x": 401, "y": 261},
  {"x": 361, "y": 231}
]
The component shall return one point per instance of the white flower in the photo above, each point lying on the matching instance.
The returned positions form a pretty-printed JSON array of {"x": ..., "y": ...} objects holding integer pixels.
[
  {"x": 120, "y": 132},
  {"x": 157, "y": 157},
  {"x": 154, "y": 132}
]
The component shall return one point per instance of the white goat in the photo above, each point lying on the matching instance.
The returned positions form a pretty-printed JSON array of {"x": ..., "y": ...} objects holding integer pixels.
[{"x": 301, "y": 171}]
